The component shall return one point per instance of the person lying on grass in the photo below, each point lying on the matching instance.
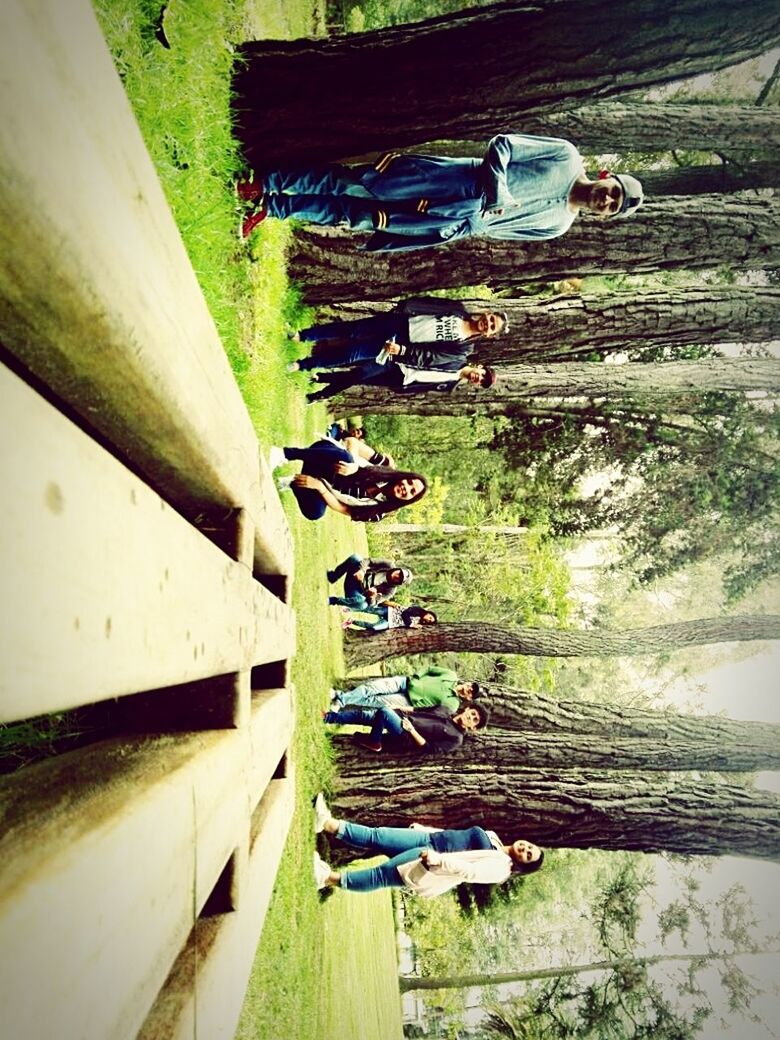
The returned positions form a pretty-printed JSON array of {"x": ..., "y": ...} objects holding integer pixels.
[
  {"x": 428, "y": 731},
  {"x": 332, "y": 478},
  {"x": 424, "y": 860},
  {"x": 390, "y": 615}
]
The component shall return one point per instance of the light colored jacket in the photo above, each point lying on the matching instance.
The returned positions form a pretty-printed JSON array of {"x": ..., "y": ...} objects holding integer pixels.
[{"x": 445, "y": 870}]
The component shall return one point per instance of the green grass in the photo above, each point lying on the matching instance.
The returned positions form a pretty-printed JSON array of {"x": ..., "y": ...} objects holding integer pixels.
[{"x": 322, "y": 970}]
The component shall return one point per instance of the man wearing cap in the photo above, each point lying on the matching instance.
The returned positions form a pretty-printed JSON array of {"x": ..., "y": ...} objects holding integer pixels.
[{"x": 524, "y": 188}]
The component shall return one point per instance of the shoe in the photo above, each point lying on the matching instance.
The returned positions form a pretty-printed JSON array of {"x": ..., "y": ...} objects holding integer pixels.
[
  {"x": 366, "y": 743},
  {"x": 248, "y": 224},
  {"x": 284, "y": 483},
  {"x": 248, "y": 189},
  {"x": 331, "y": 576},
  {"x": 276, "y": 457},
  {"x": 336, "y": 703},
  {"x": 321, "y": 813},
  {"x": 321, "y": 872},
  {"x": 293, "y": 367}
]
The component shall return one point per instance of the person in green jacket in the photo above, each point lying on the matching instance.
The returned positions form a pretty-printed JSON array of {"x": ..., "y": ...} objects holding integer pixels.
[{"x": 435, "y": 686}]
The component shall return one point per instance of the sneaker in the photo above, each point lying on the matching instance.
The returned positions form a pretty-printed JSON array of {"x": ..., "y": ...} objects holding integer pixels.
[
  {"x": 248, "y": 224},
  {"x": 293, "y": 367},
  {"x": 248, "y": 189},
  {"x": 331, "y": 576},
  {"x": 366, "y": 742},
  {"x": 336, "y": 703},
  {"x": 276, "y": 457},
  {"x": 321, "y": 872},
  {"x": 321, "y": 813},
  {"x": 284, "y": 483}
]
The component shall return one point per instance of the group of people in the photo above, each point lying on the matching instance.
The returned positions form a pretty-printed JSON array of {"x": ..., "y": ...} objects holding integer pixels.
[{"x": 522, "y": 188}]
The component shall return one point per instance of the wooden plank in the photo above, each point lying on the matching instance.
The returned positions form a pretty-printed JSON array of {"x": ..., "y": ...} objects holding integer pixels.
[
  {"x": 98, "y": 298},
  {"x": 107, "y": 857},
  {"x": 204, "y": 993},
  {"x": 108, "y": 590}
]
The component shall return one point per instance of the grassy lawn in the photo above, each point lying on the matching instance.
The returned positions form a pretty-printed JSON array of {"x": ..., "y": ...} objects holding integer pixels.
[{"x": 322, "y": 970}]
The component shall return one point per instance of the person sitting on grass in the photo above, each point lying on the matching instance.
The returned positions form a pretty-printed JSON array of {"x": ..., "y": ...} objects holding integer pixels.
[
  {"x": 390, "y": 615},
  {"x": 367, "y": 582},
  {"x": 423, "y": 860},
  {"x": 426, "y": 689},
  {"x": 330, "y": 478},
  {"x": 428, "y": 731}
]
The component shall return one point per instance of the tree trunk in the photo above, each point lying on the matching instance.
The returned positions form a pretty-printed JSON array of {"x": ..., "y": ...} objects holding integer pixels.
[
  {"x": 715, "y": 179},
  {"x": 325, "y": 99},
  {"x": 704, "y": 747},
  {"x": 408, "y": 983},
  {"x": 643, "y": 126},
  {"x": 569, "y": 326},
  {"x": 480, "y": 637},
  {"x": 437, "y": 529},
  {"x": 701, "y": 231},
  {"x": 518, "y": 383},
  {"x": 480, "y": 784}
]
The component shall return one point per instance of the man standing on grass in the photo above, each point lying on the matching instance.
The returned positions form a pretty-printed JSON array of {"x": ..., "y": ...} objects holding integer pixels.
[
  {"x": 434, "y": 687},
  {"x": 427, "y": 731},
  {"x": 524, "y": 188}
]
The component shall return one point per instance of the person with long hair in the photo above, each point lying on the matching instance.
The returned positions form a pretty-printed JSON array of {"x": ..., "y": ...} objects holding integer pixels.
[
  {"x": 331, "y": 478},
  {"x": 424, "y": 860},
  {"x": 390, "y": 615}
]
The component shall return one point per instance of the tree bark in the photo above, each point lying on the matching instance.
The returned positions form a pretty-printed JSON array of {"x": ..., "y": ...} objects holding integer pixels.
[
  {"x": 705, "y": 231},
  {"x": 688, "y": 747},
  {"x": 408, "y": 983},
  {"x": 325, "y": 99},
  {"x": 519, "y": 383},
  {"x": 644, "y": 126},
  {"x": 716, "y": 179},
  {"x": 568, "y": 326},
  {"x": 480, "y": 637},
  {"x": 480, "y": 784}
]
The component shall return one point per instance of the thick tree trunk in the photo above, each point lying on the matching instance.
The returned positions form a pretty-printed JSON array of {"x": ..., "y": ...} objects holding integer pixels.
[
  {"x": 408, "y": 983},
  {"x": 325, "y": 99},
  {"x": 640, "y": 126},
  {"x": 480, "y": 637},
  {"x": 568, "y": 326},
  {"x": 680, "y": 749},
  {"x": 525, "y": 712},
  {"x": 701, "y": 231},
  {"x": 481, "y": 784},
  {"x": 713, "y": 180},
  {"x": 519, "y": 383}
]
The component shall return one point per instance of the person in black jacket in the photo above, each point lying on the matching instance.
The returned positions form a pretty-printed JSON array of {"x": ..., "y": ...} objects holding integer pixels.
[
  {"x": 400, "y": 378},
  {"x": 421, "y": 332},
  {"x": 428, "y": 731}
]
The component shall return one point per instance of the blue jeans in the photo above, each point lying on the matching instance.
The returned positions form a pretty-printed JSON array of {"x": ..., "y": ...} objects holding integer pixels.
[
  {"x": 383, "y": 720},
  {"x": 389, "y": 691},
  {"x": 318, "y": 461},
  {"x": 380, "y": 624},
  {"x": 401, "y": 843},
  {"x": 359, "y": 340}
]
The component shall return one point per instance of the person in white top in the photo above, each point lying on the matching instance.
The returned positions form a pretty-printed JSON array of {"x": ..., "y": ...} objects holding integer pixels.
[{"x": 424, "y": 860}]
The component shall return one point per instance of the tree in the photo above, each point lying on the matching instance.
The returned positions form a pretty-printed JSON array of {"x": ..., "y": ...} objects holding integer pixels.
[
  {"x": 712, "y": 179},
  {"x": 326, "y": 99},
  {"x": 611, "y": 809},
  {"x": 520, "y": 383},
  {"x": 583, "y": 325},
  {"x": 409, "y": 983},
  {"x": 645, "y": 126},
  {"x": 740, "y": 229},
  {"x": 483, "y": 638}
]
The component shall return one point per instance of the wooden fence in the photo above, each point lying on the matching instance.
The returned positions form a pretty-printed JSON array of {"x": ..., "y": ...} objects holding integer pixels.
[{"x": 145, "y": 561}]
